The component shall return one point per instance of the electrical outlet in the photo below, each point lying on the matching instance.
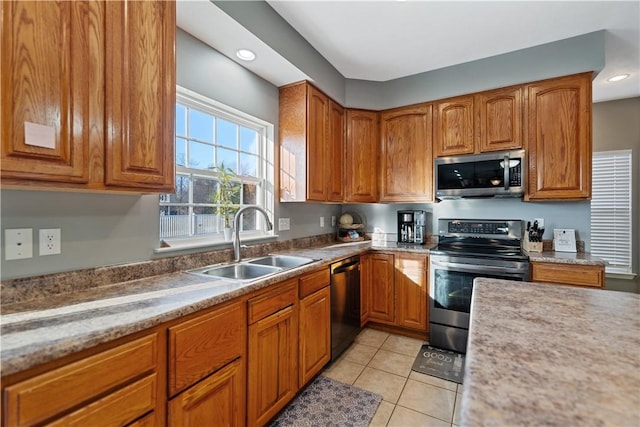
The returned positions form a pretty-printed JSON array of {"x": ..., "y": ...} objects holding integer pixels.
[
  {"x": 284, "y": 224},
  {"x": 18, "y": 243},
  {"x": 50, "y": 241},
  {"x": 540, "y": 222},
  {"x": 333, "y": 220},
  {"x": 321, "y": 221}
]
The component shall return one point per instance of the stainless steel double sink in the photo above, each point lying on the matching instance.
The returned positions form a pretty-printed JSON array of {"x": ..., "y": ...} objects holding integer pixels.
[{"x": 247, "y": 271}]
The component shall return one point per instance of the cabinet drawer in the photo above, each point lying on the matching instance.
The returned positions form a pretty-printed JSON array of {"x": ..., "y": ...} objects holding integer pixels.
[
  {"x": 309, "y": 283},
  {"x": 200, "y": 346},
  {"x": 118, "y": 408},
  {"x": 42, "y": 397},
  {"x": 273, "y": 301},
  {"x": 412, "y": 262},
  {"x": 578, "y": 275}
]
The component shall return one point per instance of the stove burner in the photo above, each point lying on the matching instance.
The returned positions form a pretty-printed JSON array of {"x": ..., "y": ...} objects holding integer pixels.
[{"x": 478, "y": 242}]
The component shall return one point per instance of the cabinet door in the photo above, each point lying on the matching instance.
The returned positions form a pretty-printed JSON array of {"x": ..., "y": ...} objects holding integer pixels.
[
  {"x": 273, "y": 366},
  {"x": 499, "y": 124},
  {"x": 453, "y": 126},
  {"x": 412, "y": 291},
  {"x": 140, "y": 94},
  {"x": 567, "y": 274},
  {"x": 362, "y": 152},
  {"x": 365, "y": 288},
  {"x": 382, "y": 287},
  {"x": 51, "y": 85},
  {"x": 559, "y": 138},
  {"x": 218, "y": 400},
  {"x": 199, "y": 346},
  {"x": 335, "y": 161},
  {"x": 406, "y": 162},
  {"x": 317, "y": 144},
  {"x": 292, "y": 139},
  {"x": 315, "y": 334}
]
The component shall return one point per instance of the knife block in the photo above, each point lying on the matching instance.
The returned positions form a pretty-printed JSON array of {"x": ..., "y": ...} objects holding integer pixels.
[{"x": 531, "y": 246}]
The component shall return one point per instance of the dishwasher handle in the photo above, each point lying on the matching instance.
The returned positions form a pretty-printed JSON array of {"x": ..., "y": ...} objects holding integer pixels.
[{"x": 347, "y": 267}]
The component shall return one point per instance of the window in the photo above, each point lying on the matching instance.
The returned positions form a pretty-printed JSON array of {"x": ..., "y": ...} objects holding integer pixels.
[
  {"x": 611, "y": 209},
  {"x": 209, "y": 135}
]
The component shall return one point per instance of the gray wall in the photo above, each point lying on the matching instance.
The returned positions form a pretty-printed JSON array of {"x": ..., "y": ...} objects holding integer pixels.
[
  {"x": 616, "y": 126},
  {"x": 564, "y": 57},
  {"x": 556, "y": 215},
  {"x": 259, "y": 18}
]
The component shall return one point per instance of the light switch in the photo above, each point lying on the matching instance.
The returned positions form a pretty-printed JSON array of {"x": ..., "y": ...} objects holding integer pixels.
[{"x": 283, "y": 224}]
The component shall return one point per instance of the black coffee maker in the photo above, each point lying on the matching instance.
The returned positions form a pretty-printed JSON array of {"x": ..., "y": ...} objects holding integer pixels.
[{"x": 412, "y": 227}]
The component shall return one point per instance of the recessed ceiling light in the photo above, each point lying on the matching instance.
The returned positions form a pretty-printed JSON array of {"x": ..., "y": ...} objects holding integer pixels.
[
  {"x": 245, "y": 54},
  {"x": 617, "y": 78}
]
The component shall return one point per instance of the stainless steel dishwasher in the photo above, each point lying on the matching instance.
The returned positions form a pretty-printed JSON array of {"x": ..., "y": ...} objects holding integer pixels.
[{"x": 345, "y": 304}]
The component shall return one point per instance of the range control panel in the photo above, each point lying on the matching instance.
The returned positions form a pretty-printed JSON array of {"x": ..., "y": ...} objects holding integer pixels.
[{"x": 465, "y": 227}]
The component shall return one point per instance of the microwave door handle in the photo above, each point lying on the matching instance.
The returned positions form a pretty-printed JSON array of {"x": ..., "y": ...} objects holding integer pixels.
[{"x": 505, "y": 171}]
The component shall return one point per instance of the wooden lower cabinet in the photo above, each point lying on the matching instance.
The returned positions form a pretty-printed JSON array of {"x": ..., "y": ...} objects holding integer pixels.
[
  {"x": 411, "y": 290},
  {"x": 203, "y": 344},
  {"x": 272, "y": 357},
  {"x": 379, "y": 279},
  {"x": 568, "y": 274},
  {"x": 218, "y": 400},
  {"x": 118, "y": 386},
  {"x": 394, "y": 290},
  {"x": 315, "y": 334}
]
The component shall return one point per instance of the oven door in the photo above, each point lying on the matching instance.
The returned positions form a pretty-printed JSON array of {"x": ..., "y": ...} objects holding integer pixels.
[{"x": 451, "y": 285}]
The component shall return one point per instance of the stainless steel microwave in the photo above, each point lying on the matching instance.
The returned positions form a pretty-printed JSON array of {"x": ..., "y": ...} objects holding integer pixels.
[{"x": 499, "y": 174}]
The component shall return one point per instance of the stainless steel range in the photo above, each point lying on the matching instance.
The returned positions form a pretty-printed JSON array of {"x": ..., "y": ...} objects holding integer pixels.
[{"x": 469, "y": 248}]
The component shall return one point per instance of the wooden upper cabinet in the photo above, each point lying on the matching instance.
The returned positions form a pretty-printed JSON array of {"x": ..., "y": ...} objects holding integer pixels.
[
  {"x": 559, "y": 138},
  {"x": 311, "y": 135},
  {"x": 361, "y": 158},
  {"x": 335, "y": 161},
  {"x": 140, "y": 94},
  {"x": 51, "y": 89},
  {"x": 317, "y": 144},
  {"x": 453, "y": 132},
  {"x": 406, "y": 161},
  {"x": 93, "y": 85},
  {"x": 499, "y": 119}
]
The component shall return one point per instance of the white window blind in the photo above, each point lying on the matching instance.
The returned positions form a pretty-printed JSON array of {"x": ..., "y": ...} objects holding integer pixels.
[{"x": 611, "y": 209}]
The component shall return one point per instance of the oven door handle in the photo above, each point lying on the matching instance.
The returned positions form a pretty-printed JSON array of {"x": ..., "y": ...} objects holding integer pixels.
[{"x": 476, "y": 268}]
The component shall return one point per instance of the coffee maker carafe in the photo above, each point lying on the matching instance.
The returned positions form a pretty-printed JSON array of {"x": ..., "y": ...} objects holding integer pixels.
[{"x": 411, "y": 227}]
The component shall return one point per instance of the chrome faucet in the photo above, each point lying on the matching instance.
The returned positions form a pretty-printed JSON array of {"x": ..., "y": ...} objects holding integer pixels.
[{"x": 236, "y": 225}]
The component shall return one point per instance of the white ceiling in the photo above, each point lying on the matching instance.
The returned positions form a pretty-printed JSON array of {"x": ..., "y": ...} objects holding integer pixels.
[{"x": 385, "y": 40}]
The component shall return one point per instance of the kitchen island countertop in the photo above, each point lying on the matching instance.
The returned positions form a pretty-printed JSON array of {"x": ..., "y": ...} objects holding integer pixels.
[{"x": 551, "y": 355}]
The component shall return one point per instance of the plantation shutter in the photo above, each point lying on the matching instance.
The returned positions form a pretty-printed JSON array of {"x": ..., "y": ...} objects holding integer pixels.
[{"x": 611, "y": 209}]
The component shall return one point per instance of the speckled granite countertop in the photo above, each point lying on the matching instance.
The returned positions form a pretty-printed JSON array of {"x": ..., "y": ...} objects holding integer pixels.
[
  {"x": 551, "y": 355},
  {"x": 37, "y": 331},
  {"x": 583, "y": 258}
]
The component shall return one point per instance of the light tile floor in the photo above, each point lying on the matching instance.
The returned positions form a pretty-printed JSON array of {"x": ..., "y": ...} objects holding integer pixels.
[{"x": 381, "y": 362}]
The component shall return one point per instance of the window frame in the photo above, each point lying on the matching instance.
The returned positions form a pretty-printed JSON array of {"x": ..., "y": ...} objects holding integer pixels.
[
  {"x": 263, "y": 181},
  {"x": 623, "y": 270}
]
